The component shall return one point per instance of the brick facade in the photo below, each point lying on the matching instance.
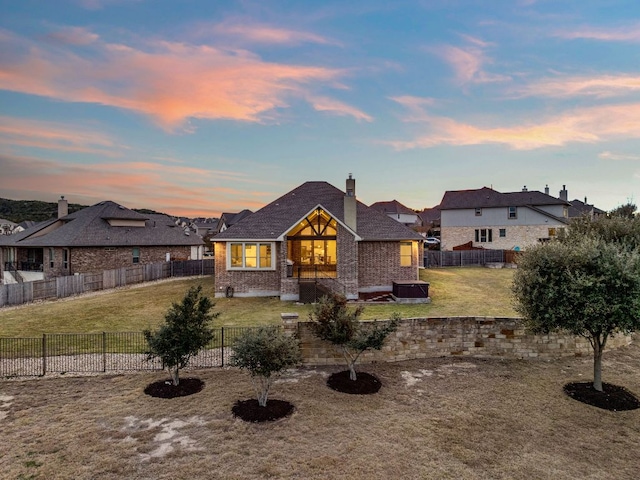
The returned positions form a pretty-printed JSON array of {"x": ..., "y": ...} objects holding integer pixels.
[
  {"x": 98, "y": 259},
  {"x": 379, "y": 265},
  {"x": 455, "y": 336},
  {"x": 245, "y": 283}
]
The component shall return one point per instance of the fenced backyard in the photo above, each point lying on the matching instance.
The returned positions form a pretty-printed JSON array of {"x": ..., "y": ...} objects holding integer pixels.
[
  {"x": 467, "y": 258},
  {"x": 99, "y": 353},
  {"x": 61, "y": 287}
]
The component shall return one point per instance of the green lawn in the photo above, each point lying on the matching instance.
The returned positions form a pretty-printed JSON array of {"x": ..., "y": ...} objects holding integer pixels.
[{"x": 464, "y": 291}]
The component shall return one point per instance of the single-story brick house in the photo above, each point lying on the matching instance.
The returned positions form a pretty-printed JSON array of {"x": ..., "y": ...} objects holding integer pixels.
[
  {"x": 101, "y": 237},
  {"x": 318, "y": 233}
]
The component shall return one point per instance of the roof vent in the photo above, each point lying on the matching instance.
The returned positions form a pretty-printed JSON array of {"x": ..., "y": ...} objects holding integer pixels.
[{"x": 120, "y": 207}]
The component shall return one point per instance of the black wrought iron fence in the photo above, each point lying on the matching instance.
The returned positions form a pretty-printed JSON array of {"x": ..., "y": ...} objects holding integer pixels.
[{"x": 100, "y": 352}]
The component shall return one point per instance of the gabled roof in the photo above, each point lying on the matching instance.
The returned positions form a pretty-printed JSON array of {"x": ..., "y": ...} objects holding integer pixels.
[
  {"x": 277, "y": 218},
  {"x": 579, "y": 208},
  {"x": 430, "y": 215},
  {"x": 392, "y": 207},
  {"x": 90, "y": 227},
  {"x": 487, "y": 197}
]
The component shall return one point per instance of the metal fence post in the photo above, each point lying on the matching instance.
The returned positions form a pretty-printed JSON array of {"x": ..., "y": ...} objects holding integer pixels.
[
  {"x": 222, "y": 349},
  {"x": 44, "y": 354},
  {"x": 104, "y": 351}
]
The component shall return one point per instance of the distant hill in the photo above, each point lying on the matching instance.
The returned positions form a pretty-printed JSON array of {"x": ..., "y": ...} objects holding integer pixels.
[{"x": 21, "y": 210}]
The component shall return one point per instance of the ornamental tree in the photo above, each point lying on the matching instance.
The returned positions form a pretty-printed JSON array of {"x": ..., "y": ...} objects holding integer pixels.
[
  {"x": 332, "y": 320},
  {"x": 265, "y": 352},
  {"x": 588, "y": 287},
  {"x": 185, "y": 332}
]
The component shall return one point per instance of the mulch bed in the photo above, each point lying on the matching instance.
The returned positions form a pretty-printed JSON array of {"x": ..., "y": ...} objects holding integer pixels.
[
  {"x": 251, "y": 411},
  {"x": 612, "y": 397},
  {"x": 166, "y": 389},
  {"x": 365, "y": 383}
]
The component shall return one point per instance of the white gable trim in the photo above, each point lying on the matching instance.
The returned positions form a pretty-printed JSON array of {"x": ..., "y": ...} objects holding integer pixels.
[{"x": 283, "y": 236}]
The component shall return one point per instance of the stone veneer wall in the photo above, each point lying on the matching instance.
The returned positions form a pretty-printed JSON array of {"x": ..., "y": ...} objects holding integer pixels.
[
  {"x": 454, "y": 336},
  {"x": 517, "y": 235}
]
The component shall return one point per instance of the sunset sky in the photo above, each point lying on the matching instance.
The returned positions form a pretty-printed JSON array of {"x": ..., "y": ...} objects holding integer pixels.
[{"x": 194, "y": 107}]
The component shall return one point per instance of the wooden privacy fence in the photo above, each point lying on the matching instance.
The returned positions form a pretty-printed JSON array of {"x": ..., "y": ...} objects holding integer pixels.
[
  {"x": 60, "y": 287},
  {"x": 461, "y": 258},
  {"x": 100, "y": 352}
]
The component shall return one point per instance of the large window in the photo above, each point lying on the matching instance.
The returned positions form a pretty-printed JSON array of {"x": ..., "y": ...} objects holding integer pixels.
[
  {"x": 250, "y": 256},
  {"x": 405, "y": 254},
  {"x": 312, "y": 245}
]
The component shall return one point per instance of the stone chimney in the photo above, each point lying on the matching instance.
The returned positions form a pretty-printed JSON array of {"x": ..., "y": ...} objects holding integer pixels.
[
  {"x": 564, "y": 195},
  {"x": 63, "y": 207},
  {"x": 546, "y": 189},
  {"x": 350, "y": 208}
]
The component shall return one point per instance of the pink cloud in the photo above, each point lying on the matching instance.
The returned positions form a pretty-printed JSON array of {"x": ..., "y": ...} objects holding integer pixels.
[
  {"x": 168, "y": 81},
  {"x": 621, "y": 34},
  {"x": 600, "y": 86},
  {"x": 468, "y": 63},
  {"x": 586, "y": 125},
  {"x": 171, "y": 189},
  {"x": 324, "y": 104},
  {"x": 55, "y": 136},
  {"x": 267, "y": 34}
]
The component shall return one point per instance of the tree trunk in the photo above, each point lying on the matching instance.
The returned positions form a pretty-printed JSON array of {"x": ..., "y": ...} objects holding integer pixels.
[
  {"x": 175, "y": 375},
  {"x": 597, "y": 364},
  {"x": 352, "y": 372},
  {"x": 263, "y": 397}
]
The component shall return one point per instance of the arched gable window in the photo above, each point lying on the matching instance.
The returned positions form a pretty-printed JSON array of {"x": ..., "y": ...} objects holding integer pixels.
[{"x": 311, "y": 245}]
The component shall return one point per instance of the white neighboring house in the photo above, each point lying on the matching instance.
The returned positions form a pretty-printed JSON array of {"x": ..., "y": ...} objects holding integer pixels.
[
  {"x": 494, "y": 220},
  {"x": 400, "y": 213},
  {"x": 8, "y": 227}
]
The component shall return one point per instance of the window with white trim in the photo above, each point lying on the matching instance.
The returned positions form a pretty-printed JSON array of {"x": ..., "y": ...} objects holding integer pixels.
[
  {"x": 484, "y": 235},
  {"x": 250, "y": 256},
  {"x": 513, "y": 213},
  {"x": 136, "y": 255}
]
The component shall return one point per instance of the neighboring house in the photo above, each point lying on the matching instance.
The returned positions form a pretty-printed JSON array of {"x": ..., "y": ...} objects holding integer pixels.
[
  {"x": 205, "y": 228},
  {"x": 318, "y": 234},
  {"x": 228, "y": 219},
  {"x": 101, "y": 237},
  {"x": 578, "y": 208},
  {"x": 430, "y": 222},
  {"x": 400, "y": 213},
  {"x": 8, "y": 227},
  {"x": 495, "y": 220}
]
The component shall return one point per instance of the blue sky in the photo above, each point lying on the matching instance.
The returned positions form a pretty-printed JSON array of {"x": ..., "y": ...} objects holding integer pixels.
[{"x": 197, "y": 107}]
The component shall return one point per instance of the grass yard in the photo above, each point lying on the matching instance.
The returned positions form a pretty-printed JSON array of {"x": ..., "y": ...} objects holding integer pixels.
[
  {"x": 440, "y": 418},
  {"x": 454, "y": 291}
]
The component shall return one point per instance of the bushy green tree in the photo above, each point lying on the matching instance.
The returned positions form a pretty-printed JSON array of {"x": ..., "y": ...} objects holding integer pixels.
[
  {"x": 627, "y": 210},
  {"x": 332, "y": 320},
  {"x": 265, "y": 352},
  {"x": 185, "y": 332},
  {"x": 621, "y": 230},
  {"x": 588, "y": 287}
]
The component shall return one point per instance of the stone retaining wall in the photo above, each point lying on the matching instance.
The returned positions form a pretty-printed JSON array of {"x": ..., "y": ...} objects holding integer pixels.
[{"x": 452, "y": 336}]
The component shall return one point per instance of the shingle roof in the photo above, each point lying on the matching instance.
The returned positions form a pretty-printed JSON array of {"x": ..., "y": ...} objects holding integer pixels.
[
  {"x": 486, "y": 198},
  {"x": 89, "y": 228},
  {"x": 393, "y": 206},
  {"x": 276, "y": 218},
  {"x": 579, "y": 208}
]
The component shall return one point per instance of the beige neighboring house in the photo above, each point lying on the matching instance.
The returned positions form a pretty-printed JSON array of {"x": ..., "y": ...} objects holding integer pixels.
[
  {"x": 502, "y": 221},
  {"x": 315, "y": 237},
  {"x": 104, "y": 236}
]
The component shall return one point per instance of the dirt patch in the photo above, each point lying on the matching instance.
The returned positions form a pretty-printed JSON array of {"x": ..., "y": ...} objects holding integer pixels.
[
  {"x": 251, "y": 411},
  {"x": 364, "y": 384},
  {"x": 166, "y": 389},
  {"x": 612, "y": 397}
]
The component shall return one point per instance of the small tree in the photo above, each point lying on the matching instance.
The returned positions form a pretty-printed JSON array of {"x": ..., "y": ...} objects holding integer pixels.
[
  {"x": 588, "y": 287},
  {"x": 265, "y": 352},
  {"x": 185, "y": 332},
  {"x": 333, "y": 321}
]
